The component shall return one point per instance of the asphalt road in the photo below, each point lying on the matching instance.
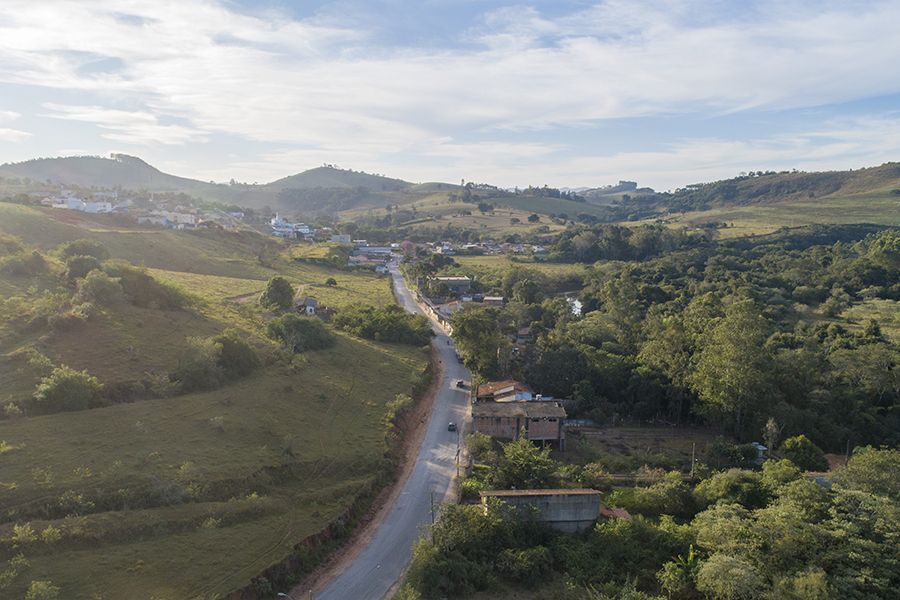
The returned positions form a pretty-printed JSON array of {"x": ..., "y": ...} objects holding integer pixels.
[{"x": 381, "y": 563}]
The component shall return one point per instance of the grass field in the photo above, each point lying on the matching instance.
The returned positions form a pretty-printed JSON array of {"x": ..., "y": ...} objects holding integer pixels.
[
  {"x": 767, "y": 218},
  {"x": 188, "y": 496}
]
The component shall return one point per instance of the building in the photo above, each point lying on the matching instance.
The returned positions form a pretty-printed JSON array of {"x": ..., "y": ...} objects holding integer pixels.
[
  {"x": 71, "y": 202},
  {"x": 456, "y": 285},
  {"x": 537, "y": 421},
  {"x": 341, "y": 238},
  {"x": 569, "y": 511},
  {"x": 508, "y": 390},
  {"x": 494, "y": 300},
  {"x": 374, "y": 251},
  {"x": 308, "y": 306}
]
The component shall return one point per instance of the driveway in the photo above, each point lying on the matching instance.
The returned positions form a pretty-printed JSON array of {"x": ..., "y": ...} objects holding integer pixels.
[{"x": 378, "y": 566}]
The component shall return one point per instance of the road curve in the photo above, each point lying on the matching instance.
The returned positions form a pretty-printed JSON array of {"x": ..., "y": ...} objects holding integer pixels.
[{"x": 381, "y": 563}]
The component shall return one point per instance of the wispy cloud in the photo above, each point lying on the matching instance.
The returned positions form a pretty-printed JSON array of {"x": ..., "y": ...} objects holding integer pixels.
[
  {"x": 133, "y": 127},
  {"x": 11, "y": 135},
  {"x": 325, "y": 90}
]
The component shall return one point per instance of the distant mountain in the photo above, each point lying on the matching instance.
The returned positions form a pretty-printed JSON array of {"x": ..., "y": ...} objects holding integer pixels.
[
  {"x": 771, "y": 187},
  {"x": 328, "y": 177},
  {"x": 120, "y": 170}
]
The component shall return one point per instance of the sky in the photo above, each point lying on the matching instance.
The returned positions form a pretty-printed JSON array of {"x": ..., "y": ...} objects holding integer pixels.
[{"x": 567, "y": 93}]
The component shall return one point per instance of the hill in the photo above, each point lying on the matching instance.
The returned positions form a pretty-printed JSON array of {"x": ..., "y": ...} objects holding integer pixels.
[
  {"x": 221, "y": 479},
  {"x": 330, "y": 177},
  {"x": 771, "y": 187},
  {"x": 120, "y": 170}
]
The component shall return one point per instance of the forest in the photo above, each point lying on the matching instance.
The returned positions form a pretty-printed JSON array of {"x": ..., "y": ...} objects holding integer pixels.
[{"x": 727, "y": 334}]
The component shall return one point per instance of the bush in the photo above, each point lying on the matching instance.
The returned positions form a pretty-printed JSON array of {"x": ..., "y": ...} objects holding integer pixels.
[
  {"x": 79, "y": 266},
  {"x": 331, "y": 282},
  {"x": 198, "y": 365},
  {"x": 388, "y": 324},
  {"x": 42, "y": 590},
  {"x": 237, "y": 358},
  {"x": 733, "y": 486},
  {"x": 143, "y": 290},
  {"x": 23, "y": 264},
  {"x": 83, "y": 248},
  {"x": 803, "y": 453},
  {"x": 279, "y": 294},
  {"x": 99, "y": 288},
  {"x": 10, "y": 244},
  {"x": 66, "y": 389},
  {"x": 299, "y": 334}
]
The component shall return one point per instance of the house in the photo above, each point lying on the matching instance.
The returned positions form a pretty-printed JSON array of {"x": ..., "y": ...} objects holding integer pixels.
[
  {"x": 494, "y": 300},
  {"x": 568, "y": 511},
  {"x": 508, "y": 390},
  {"x": 537, "y": 421},
  {"x": 340, "y": 238},
  {"x": 374, "y": 251},
  {"x": 456, "y": 284},
  {"x": 308, "y": 306},
  {"x": 523, "y": 335}
]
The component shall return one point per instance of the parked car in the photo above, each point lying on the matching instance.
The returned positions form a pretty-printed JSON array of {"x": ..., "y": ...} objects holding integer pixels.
[
  {"x": 460, "y": 384},
  {"x": 451, "y": 426}
]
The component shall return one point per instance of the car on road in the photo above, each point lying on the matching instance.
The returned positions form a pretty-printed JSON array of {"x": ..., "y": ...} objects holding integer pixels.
[
  {"x": 460, "y": 384},
  {"x": 451, "y": 426}
]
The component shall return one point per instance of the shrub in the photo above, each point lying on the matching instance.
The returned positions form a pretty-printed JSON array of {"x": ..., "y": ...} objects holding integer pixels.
[
  {"x": 10, "y": 244},
  {"x": 299, "y": 334},
  {"x": 23, "y": 264},
  {"x": 237, "y": 358},
  {"x": 331, "y": 282},
  {"x": 79, "y": 266},
  {"x": 594, "y": 475},
  {"x": 99, "y": 288},
  {"x": 42, "y": 590},
  {"x": 733, "y": 486},
  {"x": 279, "y": 294},
  {"x": 12, "y": 410},
  {"x": 66, "y": 389},
  {"x": 803, "y": 453},
  {"x": 143, "y": 290},
  {"x": 528, "y": 565},
  {"x": 83, "y": 248},
  {"x": 388, "y": 324},
  {"x": 198, "y": 365},
  {"x": 23, "y": 534}
]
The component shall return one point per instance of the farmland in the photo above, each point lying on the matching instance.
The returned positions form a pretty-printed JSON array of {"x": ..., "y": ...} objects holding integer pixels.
[{"x": 167, "y": 494}]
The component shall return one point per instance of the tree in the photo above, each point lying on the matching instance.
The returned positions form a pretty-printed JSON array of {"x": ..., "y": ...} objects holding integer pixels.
[
  {"x": 237, "y": 358},
  {"x": 279, "y": 294},
  {"x": 198, "y": 365},
  {"x": 79, "y": 266},
  {"x": 803, "y": 453},
  {"x": 299, "y": 334},
  {"x": 331, "y": 282},
  {"x": 534, "y": 218},
  {"x": 99, "y": 288},
  {"x": 873, "y": 471},
  {"x": 725, "y": 577},
  {"x": 83, "y": 248},
  {"x": 523, "y": 465},
  {"x": 66, "y": 389},
  {"x": 733, "y": 372}
]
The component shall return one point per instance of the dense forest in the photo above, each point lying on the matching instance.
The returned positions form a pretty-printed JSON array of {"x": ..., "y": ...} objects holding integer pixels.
[{"x": 723, "y": 333}]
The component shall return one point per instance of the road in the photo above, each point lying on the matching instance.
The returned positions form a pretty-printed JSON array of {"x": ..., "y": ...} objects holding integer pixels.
[{"x": 381, "y": 563}]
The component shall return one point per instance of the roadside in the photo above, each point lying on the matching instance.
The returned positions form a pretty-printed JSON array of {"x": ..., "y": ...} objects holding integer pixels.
[{"x": 414, "y": 428}]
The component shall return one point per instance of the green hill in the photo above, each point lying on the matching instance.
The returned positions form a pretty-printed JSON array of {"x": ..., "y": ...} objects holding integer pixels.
[
  {"x": 333, "y": 178},
  {"x": 161, "y": 491}
]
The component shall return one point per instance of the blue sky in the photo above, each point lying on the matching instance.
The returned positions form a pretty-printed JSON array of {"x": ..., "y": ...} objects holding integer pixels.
[{"x": 565, "y": 93}]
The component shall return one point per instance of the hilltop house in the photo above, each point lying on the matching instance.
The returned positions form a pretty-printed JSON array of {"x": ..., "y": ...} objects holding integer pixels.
[{"x": 308, "y": 306}]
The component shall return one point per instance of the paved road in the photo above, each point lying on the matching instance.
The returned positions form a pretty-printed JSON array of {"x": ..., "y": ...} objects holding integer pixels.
[{"x": 379, "y": 565}]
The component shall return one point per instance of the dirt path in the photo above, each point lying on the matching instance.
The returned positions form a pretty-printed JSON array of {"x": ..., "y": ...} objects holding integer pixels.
[{"x": 384, "y": 501}]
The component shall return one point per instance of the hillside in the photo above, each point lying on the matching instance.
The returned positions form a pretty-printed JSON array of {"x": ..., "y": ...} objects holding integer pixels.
[
  {"x": 120, "y": 170},
  {"x": 335, "y": 178},
  {"x": 771, "y": 187},
  {"x": 161, "y": 489}
]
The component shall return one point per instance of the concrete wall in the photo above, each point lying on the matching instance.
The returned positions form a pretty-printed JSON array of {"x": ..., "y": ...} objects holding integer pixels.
[{"x": 569, "y": 513}]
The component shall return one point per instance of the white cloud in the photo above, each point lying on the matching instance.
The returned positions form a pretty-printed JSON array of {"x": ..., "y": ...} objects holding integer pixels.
[
  {"x": 132, "y": 127},
  {"x": 13, "y": 135},
  {"x": 322, "y": 92}
]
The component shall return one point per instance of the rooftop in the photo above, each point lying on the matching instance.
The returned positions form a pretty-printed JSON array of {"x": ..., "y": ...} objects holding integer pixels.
[
  {"x": 492, "y": 387},
  {"x": 550, "y": 492},
  {"x": 453, "y": 278},
  {"x": 523, "y": 408}
]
